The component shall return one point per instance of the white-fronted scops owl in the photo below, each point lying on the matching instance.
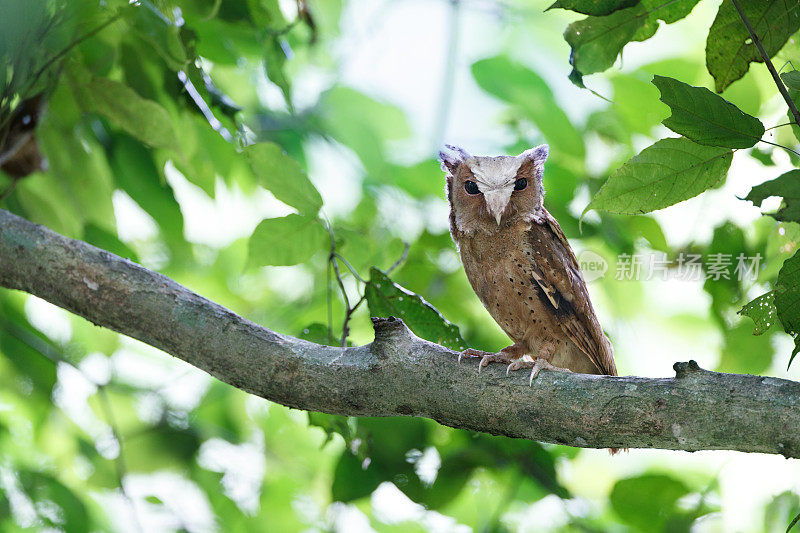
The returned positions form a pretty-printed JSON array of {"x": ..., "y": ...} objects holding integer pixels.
[{"x": 520, "y": 264}]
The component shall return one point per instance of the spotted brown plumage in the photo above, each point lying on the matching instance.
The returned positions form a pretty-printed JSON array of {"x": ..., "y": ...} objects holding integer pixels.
[{"x": 520, "y": 264}]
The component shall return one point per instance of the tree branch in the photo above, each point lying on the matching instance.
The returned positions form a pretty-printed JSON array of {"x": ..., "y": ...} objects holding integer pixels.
[{"x": 399, "y": 373}]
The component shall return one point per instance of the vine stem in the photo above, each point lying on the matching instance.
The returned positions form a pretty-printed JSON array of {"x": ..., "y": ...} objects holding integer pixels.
[{"x": 768, "y": 62}]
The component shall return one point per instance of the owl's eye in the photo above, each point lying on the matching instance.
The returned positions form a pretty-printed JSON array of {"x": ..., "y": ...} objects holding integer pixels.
[
  {"x": 520, "y": 184},
  {"x": 471, "y": 187}
]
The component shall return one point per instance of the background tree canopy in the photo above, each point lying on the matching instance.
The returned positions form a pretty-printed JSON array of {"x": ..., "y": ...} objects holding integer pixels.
[{"x": 278, "y": 157}]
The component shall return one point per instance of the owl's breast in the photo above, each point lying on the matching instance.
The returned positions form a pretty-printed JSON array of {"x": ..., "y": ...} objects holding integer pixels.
[{"x": 499, "y": 268}]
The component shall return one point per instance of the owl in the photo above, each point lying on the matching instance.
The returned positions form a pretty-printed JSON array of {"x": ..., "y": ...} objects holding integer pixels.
[{"x": 521, "y": 266}]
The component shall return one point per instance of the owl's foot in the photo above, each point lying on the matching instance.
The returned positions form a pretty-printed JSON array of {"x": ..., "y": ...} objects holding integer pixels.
[
  {"x": 536, "y": 366},
  {"x": 506, "y": 355}
]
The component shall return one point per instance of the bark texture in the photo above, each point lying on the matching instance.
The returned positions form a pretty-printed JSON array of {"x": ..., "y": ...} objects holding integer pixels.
[{"x": 399, "y": 373}]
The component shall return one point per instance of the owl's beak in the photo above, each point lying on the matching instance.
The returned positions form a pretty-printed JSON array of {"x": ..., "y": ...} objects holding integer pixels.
[{"x": 496, "y": 202}]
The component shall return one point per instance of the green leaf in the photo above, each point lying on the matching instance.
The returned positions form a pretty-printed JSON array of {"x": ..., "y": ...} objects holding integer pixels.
[
  {"x": 787, "y": 300},
  {"x": 26, "y": 348},
  {"x": 781, "y": 511},
  {"x": 353, "y": 478},
  {"x": 706, "y": 118},
  {"x": 647, "y": 501},
  {"x": 637, "y": 103},
  {"x": 286, "y": 240},
  {"x": 668, "y": 172},
  {"x": 745, "y": 353},
  {"x": 319, "y": 334},
  {"x": 274, "y": 63},
  {"x": 527, "y": 91},
  {"x": 144, "y": 119},
  {"x": 363, "y": 124},
  {"x": 108, "y": 241},
  {"x": 787, "y": 186},
  {"x": 136, "y": 173},
  {"x": 385, "y": 298},
  {"x": 160, "y": 33},
  {"x": 787, "y": 295},
  {"x": 70, "y": 512},
  {"x": 762, "y": 311},
  {"x": 763, "y": 157},
  {"x": 791, "y": 79},
  {"x": 331, "y": 424},
  {"x": 79, "y": 177},
  {"x": 161, "y": 448},
  {"x": 593, "y": 7},
  {"x": 730, "y": 49},
  {"x": 266, "y": 14},
  {"x": 597, "y": 41},
  {"x": 284, "y": 177}
]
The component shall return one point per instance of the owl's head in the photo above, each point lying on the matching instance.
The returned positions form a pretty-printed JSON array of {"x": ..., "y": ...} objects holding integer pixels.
[{"x": 488, "y": 192}]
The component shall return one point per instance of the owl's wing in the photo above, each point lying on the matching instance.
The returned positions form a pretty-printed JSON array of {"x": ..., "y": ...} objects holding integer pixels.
[{"x": 556, "y": 271}]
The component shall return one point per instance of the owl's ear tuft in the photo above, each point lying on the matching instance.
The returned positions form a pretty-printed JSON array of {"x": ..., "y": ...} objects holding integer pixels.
[
  {"x": 452, "y": 157},
  {"x": 537, "y": 155}
]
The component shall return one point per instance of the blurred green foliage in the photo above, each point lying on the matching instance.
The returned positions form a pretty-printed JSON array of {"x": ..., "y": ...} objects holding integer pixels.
[{"x": 123, "y": 100}]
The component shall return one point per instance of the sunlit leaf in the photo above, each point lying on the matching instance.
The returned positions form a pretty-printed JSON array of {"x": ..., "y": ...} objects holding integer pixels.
[
  {"x": 787, "y": 294},
  {"x": 743, "y": 352},
  {"x": 730, "y": 49},
  {"x": 144, "y": 119},
  {"x": 26, "y": 348},
  {"x": 386, "y": 298},
  {"x": 319, "y": 334},
  {"x": 363, "y": 124},
  {"x": 161, "y": 33},
  {"x": 286, "y": 240},
  {"x": 787, "y": 186},
  {"x": 780, "y": 512},
  {"x": 668, "y": 172},
  {"x": 597, "y": 41},
  {"x": 283, "y": 177},
  {"x": 762, "y": 311},
  {"x": 136, "y": 173},
  {"x": 593, "y": 7},
  {"x": 108, "y": 241},
  {"x": 791, "y": 79},
  {"x": 70, "y": 512},
  {"x": 274, "y": 63},
  {"x": 528, "y": 92},
  {"x": 161, "y": 447},
  {"x": 706, "y": 118},
  {"x": 647, "y": 501}
]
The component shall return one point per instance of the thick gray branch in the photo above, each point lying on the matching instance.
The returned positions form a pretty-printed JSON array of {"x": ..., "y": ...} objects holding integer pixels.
[{"x": 399, "y": 373}]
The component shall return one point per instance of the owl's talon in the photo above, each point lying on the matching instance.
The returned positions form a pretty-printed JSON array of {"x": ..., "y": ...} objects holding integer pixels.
[{"x": 536, "y": 366}]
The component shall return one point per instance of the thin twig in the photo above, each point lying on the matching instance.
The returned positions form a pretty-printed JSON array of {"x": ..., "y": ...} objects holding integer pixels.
[
  {"x": 767, "y": 61},
  {"x": 345, "y": 325},
  {"x": 350, "y": 267},
  {"x": 780, "y": 126},
  {"x": 792, "y": 523},
  {"x": 780, "y": 146},
  {"x": 332, "y": 260},
  {"x": 402, "y": 259}
]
